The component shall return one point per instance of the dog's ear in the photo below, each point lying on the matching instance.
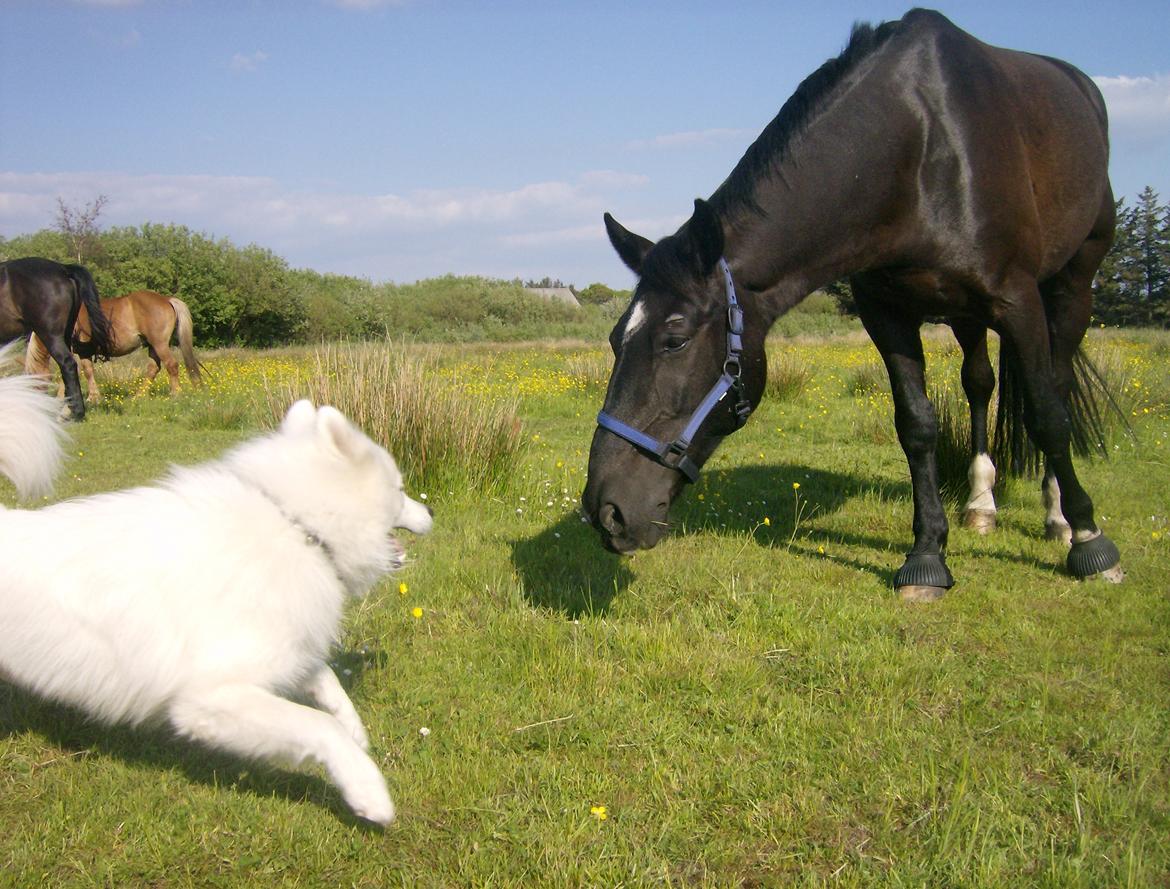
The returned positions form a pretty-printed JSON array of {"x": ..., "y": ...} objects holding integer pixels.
[
  {"x": 342, "y": 436},
  {"x": 299, "y": 418}
]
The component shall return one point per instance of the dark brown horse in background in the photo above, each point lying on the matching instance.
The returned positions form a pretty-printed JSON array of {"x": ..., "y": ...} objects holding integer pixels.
[
  {"x": 139, "y": 319},
  {"x": 947, "y": 178},
  {"x": 43, "y": 298}
]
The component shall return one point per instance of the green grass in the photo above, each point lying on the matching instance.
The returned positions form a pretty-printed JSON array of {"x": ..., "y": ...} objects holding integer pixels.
[{"x": 750, "y": 701}]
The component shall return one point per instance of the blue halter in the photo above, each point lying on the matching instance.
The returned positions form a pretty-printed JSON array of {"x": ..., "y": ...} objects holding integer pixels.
[{"x": 673, "y": 455}]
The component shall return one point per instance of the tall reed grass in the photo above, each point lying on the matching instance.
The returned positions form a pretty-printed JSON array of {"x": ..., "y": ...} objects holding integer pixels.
[
  {"x": 788, "y": 374},
  {"x": 442, "y": 437}
]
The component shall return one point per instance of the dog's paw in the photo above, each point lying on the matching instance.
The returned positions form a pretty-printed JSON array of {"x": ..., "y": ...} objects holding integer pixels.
[{"x": 372, "y": 803}]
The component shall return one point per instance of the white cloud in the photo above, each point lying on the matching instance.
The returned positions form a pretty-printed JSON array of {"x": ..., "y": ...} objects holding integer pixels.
[
  {"x": 1140, "y": 101},
  {"x": 578, "y": 234},
  {"x": 241, "y": 62},
  {"x": 613, "y": 179},
  {"x": 689, "y": 138},
  {"x": 471, "y": 230}
]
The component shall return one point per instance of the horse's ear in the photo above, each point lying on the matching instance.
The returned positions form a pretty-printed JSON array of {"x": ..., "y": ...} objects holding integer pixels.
[
  {"x": 630, "y": 247},
  {"x": 706, "y": 235}
]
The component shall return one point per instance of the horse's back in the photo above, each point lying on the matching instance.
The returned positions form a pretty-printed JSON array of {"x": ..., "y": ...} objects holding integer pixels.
[
  {"x": 30, "y": 287},
  {"x": 1019, "y": 140},
  {"x": 153, "y": 312}
]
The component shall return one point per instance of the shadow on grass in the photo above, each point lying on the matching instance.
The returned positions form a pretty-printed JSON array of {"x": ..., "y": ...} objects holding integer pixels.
[
  {"x": 157, "y": 747},
  {"x": 565, "y": 568}
]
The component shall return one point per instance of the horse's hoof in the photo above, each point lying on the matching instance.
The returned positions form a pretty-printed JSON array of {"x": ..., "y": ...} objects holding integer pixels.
[
  {"x": 923, "y": 577},
  {"x": 917, "y": 593},
  {"x": 1058, "y": 531},
  {"x": 1098, "y": 557},
  {"x": 982, "y": 521}
]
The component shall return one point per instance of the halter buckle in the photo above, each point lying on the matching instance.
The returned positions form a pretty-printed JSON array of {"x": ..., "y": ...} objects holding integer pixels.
[{"x": 735, "y": 319}]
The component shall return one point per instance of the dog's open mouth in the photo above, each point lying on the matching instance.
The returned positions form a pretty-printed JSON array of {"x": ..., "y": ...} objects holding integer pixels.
[{"x": 397, "y": 553}]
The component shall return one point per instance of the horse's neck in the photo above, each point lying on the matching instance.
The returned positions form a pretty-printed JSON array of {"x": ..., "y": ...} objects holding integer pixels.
[{"x": 819, "y": 215}]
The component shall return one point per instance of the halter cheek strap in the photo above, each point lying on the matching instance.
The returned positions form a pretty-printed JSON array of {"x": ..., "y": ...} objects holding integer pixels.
[{"x": 674, "y": 455}]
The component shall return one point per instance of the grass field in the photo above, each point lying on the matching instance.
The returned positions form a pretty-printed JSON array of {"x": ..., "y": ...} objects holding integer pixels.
[{"x": 749, "y": 704}]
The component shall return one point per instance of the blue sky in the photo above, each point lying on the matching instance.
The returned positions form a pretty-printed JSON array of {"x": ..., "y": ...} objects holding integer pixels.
[{"x": 402, "y": 140}]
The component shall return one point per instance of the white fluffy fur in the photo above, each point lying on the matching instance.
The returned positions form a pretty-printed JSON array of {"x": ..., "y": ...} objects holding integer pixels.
[
  {"x": 204, "y": 600},
  {"x": 30, "y": 438}
]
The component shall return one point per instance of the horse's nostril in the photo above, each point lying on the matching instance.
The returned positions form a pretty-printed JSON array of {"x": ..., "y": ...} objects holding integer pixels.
[{"x": 610, "y": 518}]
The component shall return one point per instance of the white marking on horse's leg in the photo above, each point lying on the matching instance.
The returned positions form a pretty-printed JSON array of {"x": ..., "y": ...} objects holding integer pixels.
[
  {"x": 1055, "y": 527},
  {"x": 981, "y": 478},
  {"x": 979, "y": 513},
  {"x": 1085, "y": 536},
  {"x": 635, "y": 321}
]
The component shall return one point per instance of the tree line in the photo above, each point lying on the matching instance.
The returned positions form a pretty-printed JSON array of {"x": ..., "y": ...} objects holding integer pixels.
[
  {"x": 249, "y": 296},
  {"x": 1132, "y": 288}
]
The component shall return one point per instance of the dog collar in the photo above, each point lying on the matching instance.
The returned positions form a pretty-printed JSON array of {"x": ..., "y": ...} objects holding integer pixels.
[{"x": 312, "y": 538}]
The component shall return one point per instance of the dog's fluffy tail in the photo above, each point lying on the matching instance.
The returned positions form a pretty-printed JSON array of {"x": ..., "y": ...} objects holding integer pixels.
[{"x": 31, "y": 437}]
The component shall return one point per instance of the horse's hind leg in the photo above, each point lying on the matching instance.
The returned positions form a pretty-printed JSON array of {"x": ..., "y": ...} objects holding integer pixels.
[
  {"x": 162, "y": 357},
  {"x": 1068, "y": 303},
  {"x": 1055, "y": 527},
  {"x": 978, "y": 384},
  {"x": 36, "y": 363},
  {"x": 1042, "y": 346},
  {"x": 59, "y": 349}
]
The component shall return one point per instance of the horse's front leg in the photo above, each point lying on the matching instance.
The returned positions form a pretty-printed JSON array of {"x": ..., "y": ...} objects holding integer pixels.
[
  {"x": 924, "y": 576},
  {"x": 91, "y": 386}
]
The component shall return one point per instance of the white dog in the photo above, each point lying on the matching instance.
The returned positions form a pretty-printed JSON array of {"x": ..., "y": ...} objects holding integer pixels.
[{"x": 231, "y": 601}]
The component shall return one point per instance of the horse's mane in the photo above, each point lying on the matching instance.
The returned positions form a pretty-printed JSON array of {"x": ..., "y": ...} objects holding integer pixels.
[{"x": 770, "y": 147}]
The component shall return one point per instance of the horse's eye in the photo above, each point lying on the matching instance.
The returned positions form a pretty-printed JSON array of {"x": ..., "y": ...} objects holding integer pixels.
[{"x": 676, "y": 343}]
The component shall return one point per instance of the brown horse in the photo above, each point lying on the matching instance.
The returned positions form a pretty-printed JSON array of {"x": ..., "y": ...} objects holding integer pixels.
[{"x": 141, "y": 318}]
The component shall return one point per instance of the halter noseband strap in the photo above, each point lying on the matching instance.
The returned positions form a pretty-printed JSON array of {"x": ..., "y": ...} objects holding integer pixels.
[{"x": 673, "y": 455}]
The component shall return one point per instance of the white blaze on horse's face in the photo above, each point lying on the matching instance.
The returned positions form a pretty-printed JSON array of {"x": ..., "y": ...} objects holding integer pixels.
[{"x": 635, "y": 321}]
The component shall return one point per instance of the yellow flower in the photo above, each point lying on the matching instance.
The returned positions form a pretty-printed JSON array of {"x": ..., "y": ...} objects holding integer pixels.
[
  {"x": 767, "y": 521},
  {"x": 417, "y": 612},
  {"x": 402, "y": 588},
  {"x": 598, "y": 812},
  {"x": 795, "y": 485}
]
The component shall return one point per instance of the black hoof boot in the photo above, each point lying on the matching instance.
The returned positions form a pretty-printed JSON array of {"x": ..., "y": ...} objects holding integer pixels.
[
  {"x": 924, "y": 577},
  {"x": 1096, "y": 556}
]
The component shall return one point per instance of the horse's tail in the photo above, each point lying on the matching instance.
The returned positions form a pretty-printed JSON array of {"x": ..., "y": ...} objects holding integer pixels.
[
  {"x": 101, "y": 334},
  {"x": 186, "y": 332},
  {"x": 31, "y": 438},
  {"x": 1088, "y": 401},
  {"x": 36, "y": 358}
]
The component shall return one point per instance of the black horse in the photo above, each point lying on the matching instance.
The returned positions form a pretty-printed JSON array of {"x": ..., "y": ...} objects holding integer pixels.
[
  {"x": 43, "y": 297},
  {"x": 946, "y": 178}
]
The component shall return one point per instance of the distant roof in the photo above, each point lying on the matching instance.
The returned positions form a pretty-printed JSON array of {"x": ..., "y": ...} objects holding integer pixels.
[{"x": 560, "y": 294}]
